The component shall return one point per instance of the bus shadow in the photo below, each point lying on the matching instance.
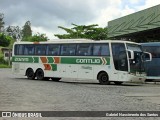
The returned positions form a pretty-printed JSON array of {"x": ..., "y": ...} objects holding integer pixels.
[
  {"x": 92, "y": 83},
  {"x": 81, "y": 83}
]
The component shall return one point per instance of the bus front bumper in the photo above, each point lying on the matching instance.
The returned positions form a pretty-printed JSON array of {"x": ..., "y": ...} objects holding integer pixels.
[{"x": 137, "y": 78}]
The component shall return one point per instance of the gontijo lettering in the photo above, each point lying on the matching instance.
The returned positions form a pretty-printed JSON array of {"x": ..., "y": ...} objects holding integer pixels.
[
  {"x": 22, "y": 59},
  {"x": 92, "y": 61}
]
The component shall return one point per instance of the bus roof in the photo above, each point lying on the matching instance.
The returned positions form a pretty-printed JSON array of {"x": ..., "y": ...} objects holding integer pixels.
[
  {"x": 75, "y": 41},
  {"x": 151, "y": 44}
]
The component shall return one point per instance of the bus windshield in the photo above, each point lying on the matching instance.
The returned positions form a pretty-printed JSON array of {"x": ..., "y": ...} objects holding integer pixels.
[
  {"x": 134, "y": 47},
  {"x": 136, "y": 64}
]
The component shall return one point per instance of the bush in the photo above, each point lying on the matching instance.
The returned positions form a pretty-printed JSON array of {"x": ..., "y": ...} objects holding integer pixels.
[
  {"x": 4, "y": 40},
  {"x": 2, "y": 61}
]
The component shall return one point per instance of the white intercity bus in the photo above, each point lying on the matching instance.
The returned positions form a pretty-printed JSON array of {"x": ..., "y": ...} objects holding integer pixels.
[{"x": 106, "y": 61}]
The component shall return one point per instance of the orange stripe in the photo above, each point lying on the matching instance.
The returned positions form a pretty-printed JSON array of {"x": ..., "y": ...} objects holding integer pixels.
[
  {"x": 44, "y": 59},
  {"x": 47, "y": 67},
  {"x": 36, "y": 43},
  {"x": 56, "y": 60}
]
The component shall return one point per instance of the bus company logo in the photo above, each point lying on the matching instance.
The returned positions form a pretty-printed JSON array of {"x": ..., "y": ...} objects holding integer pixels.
[
  {"x": 21, "y": 59},
  {"x": 6, "y": 114},
  {"x": 88, "y": 61}
]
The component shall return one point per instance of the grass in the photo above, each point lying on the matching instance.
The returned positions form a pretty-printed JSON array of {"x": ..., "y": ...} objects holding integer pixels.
[{"x": 4, "y": 66}]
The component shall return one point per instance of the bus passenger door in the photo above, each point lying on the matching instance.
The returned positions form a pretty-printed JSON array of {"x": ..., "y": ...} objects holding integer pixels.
[{"x": 120, "y": 61}]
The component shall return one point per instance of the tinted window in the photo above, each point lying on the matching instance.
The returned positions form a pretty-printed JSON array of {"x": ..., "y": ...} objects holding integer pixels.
[
  {"x": 67, "y": 49},
  {"x": 154, "y": 50},
  {"x": 101, "y": 50},
  {"x": 29, "y": 50},
  {"x": 40, "y": 49},
  {"x": 119, "y": 56},
  {"x": 19, "y": 49},
  {"x": 53, "y": 50},
  {"x": 84, "y": 49}
]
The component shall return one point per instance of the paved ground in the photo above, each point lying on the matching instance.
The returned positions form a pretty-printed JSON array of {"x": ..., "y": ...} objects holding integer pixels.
[{"x": 20, "y": 94}]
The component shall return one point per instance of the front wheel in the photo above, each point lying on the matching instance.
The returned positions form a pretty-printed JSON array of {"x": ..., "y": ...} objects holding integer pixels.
[
  {"x": 103, "y": 78},
  {"x": 40, "y": 74}
]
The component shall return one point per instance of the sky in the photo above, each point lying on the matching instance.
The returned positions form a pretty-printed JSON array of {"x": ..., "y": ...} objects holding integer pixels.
[{"x": 46, "y": 15}]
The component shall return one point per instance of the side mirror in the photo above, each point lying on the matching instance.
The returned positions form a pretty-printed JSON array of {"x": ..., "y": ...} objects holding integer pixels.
[
  {"x": 147, "y": 56},
  {"x": 130, "y": 54}
]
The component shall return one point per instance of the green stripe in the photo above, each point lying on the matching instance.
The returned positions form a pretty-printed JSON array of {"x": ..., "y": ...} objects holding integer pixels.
[
  {"x": 50, "y": 59},
  {"x": 65, "y": 60},
  {"x": 25, "y": 59},
  {"x": 94, "y": 61},
  {"x": 36, "y": 59},
  {"x": 54, "y": 67}
]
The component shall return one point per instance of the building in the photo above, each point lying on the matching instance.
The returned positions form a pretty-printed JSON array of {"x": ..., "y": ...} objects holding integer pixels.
[
  {"x": 7, "y": 53},
  {"x": 139, "y": 26}
]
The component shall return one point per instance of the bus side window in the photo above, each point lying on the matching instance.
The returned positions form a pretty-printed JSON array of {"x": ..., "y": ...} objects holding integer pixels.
[
  {"x": 53, "y": 50},
  {"x": 84, "y": 49},
  {"x": 40, "y": 49},
  {"x": 101, "y": 50},
  {"x": 19, "y": 49},
  {"x": 16, "y": 47},
  {"x": 68, "y": 49},
  {"x": 29, "y": 50},
  {"x": 97, "y": 50}
]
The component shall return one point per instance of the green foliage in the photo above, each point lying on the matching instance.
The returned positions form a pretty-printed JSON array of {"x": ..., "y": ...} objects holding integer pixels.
[
  {"x": 11, "y": 43},
  {"x": 26, "y": 31},
  {"x": 4, "y": 40},
  {"x": 4, "y": 66},
  {"x": 27, "y": 34},
  {"x": 37, "y": 38},
  {"x": 82, "y": 31},
  {"x": 2, "y": 61}
]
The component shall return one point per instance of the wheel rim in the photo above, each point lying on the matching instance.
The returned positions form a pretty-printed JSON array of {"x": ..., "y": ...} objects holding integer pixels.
[
  {"x": 30, "y": 74},
  {"x": 40, "y": 75},
  {"x": 104, "y": 78}
]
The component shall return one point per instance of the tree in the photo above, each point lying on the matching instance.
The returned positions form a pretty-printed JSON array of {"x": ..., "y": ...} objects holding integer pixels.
[
  {"x": 37, "y": 38},
  {"x": 26, "y": 31},
  {"x": 1, "y": 22},
  {"x": 84, "y": 31},
  {"x": 4, "y": 40},
  {"x": 14, "y": 31}
]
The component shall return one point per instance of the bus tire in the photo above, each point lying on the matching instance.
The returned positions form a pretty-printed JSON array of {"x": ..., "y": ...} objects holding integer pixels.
[
  {"x": 40, "y": 74},
  {"x": 56, "y": 79},
  {"x": 117, "y": 82},
  {"x": 30, "y": 74},
  {"x": 103, "y": 78}
]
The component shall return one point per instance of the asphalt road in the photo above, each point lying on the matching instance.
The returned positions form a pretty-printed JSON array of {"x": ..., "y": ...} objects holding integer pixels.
[{"x": 17, "y": 93}]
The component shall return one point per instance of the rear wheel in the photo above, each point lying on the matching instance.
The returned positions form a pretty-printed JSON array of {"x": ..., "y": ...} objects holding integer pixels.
[
  {"x": 103, "y": 78},
  {"x": 40, "y": 74},
  {"x": 30, "y": 74},
  {"x": 55, "y": 79},
  {"x": 118, "y": 83}
]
